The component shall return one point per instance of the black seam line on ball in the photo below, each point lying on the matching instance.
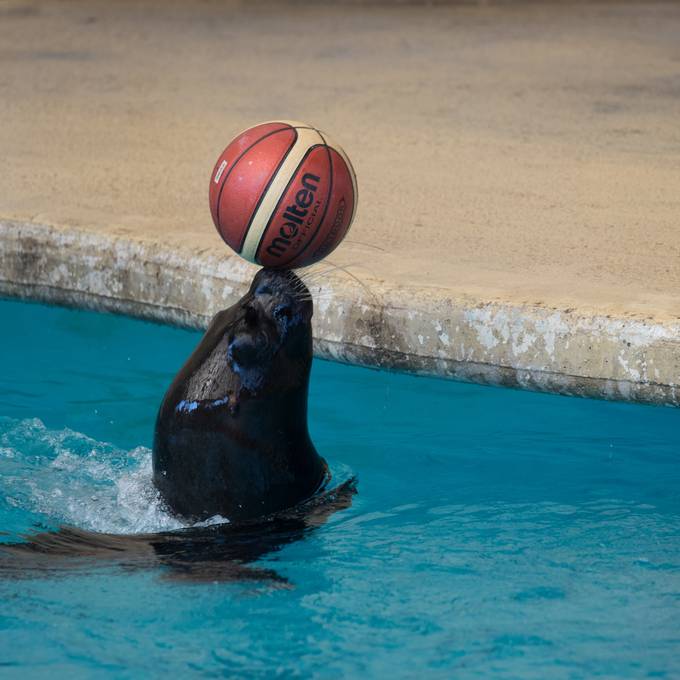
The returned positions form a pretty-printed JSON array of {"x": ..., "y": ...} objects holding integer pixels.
[
  {"x": 263, "y": 193},
  {"x": 328, "y": 200},
  {"x": 238, "y": 158},
  {"x": 285, "y": 191}
]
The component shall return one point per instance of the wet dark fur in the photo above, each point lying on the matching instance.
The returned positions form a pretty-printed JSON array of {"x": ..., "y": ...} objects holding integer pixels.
[{"x": 231, "y": 435}]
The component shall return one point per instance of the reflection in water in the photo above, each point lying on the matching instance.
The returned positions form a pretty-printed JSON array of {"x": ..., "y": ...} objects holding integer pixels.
[{"x": 220, "y": 552}]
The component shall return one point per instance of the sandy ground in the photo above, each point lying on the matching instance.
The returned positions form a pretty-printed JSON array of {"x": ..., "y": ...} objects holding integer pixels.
[{"x": 523, "y": 152}]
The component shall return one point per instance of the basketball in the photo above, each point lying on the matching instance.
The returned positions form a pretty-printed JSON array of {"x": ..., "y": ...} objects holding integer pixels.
[{"x": 283, "y": 195}]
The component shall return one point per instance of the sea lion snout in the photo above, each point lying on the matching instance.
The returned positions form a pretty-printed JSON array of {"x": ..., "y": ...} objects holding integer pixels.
[
  {"x": 283, "y": 296},
  {"x": 277, "y": 303}
]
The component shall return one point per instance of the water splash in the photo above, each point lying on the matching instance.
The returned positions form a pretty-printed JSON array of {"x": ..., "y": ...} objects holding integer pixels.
[{"x": 65, "y": 477}]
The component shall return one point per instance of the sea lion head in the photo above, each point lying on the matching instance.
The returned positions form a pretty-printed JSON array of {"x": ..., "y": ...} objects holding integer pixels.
[{"x": 272, "y": 334}]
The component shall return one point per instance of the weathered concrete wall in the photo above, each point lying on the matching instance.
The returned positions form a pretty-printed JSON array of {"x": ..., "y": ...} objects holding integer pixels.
[
  {"x": 519, "y": 174},
  {"x": 422, "y": 330}
]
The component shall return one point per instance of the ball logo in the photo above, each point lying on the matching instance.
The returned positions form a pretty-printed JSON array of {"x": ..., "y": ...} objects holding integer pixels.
[
  {"x": 328, "y": 242},
  {"x": 294, "y": 215},
  {"x": 220, "y": 171}
]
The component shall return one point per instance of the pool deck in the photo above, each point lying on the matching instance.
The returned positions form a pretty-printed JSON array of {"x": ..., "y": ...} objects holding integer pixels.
[{"x": 518, "y": 166}]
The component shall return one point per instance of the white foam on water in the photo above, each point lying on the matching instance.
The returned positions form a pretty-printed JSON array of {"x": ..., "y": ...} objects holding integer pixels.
[{"x": 72, "y": 479}]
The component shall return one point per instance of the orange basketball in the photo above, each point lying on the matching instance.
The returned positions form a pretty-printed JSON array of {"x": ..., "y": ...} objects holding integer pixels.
[{"x": 283, "y": 195}]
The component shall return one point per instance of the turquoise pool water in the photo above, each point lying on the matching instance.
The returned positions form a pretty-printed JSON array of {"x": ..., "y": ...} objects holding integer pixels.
[{"x": 495, "y": 533}]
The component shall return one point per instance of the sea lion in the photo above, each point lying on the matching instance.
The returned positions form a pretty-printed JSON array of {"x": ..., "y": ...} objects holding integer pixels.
[
  {"x": 231, "y": 435},
  {"x": 231, "y": 439}
]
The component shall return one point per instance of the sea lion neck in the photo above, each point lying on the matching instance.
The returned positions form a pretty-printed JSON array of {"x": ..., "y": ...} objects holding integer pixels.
[{"x": 282, "y": 411}]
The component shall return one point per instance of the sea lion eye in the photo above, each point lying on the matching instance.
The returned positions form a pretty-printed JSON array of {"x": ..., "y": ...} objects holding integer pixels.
[
  {"x": 283, "y": 312},
  {"x": 250, "y": 316}
]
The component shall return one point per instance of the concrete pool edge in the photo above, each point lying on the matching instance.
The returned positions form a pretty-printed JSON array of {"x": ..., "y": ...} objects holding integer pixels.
[{"x": 416, "y": 329}]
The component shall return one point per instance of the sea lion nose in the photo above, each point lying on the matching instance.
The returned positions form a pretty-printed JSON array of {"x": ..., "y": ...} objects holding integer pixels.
[{"x": 250, "y": 316}]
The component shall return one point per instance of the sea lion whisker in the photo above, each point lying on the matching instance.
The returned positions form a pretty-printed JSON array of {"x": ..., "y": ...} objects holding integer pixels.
[
  {"x": 367, "y": 245},
  {"x": 300, "y": 289},
  {"x": 303, "y": 290},
  {"x": 299, "y": 286},
  {"x": 314, "y": 275},
  {"x": 357, "y": 279}
]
